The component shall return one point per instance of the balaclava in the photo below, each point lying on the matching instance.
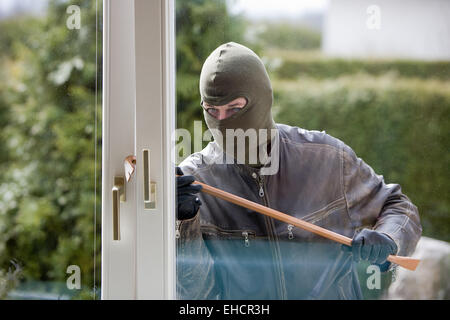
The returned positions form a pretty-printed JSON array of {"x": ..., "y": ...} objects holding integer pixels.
[{"x": 230, "y": 72}]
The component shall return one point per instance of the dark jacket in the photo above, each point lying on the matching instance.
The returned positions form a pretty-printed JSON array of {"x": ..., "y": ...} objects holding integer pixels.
[{"x": 229, "y": 252}]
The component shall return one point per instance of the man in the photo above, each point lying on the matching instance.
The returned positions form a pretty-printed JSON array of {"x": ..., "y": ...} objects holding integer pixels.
[{"x": 228, "y": 252}]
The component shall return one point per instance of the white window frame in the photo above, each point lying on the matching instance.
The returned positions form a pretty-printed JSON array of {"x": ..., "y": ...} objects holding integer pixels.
[{"x": 139, "y": 113}]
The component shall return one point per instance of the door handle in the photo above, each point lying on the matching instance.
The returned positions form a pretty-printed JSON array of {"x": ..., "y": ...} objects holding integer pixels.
[
  {"x": 118, "y": 196},
  {"x": 149, "y": 186}
]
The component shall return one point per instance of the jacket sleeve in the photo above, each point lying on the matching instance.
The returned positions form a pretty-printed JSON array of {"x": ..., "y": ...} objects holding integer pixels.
[
  {"x": 195, "y": 265},
  {"x": 383, "y": 207}
]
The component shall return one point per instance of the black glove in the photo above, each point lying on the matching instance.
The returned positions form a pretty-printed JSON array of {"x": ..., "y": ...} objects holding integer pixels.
[
  {"x": 373, "y": 246},
  {"x": 187, "y": 202}
]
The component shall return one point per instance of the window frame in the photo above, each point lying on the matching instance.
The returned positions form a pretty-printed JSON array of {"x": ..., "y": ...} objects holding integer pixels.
[{"x": 138, "y": 85}]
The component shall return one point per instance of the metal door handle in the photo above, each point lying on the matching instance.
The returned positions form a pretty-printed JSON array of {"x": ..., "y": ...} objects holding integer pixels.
[
  {"x": 149, "y": 186},
  {"x": 118, "y": 196}
]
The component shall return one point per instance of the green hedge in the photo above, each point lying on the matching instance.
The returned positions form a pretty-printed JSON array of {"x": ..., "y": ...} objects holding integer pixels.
[
  {"x": 400, "y": 127},
  {"x": 294, "y": 65},
  {"x": 286, "y": 35}
]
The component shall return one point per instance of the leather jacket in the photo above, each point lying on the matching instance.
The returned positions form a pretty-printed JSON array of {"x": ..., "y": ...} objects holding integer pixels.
[{"x": 229, "y": 252}]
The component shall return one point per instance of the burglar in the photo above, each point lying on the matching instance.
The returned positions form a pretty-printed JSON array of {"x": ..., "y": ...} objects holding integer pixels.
[{"x": 225, "y": 251}]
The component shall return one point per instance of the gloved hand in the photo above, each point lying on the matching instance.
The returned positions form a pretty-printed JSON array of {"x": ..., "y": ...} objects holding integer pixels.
[
  {"x": 187, "y": 202},
  {"x": 373, "y": 246}
]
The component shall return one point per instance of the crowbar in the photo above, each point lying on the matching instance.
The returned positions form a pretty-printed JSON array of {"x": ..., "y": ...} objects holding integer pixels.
[{"x": 405, "y": 262}]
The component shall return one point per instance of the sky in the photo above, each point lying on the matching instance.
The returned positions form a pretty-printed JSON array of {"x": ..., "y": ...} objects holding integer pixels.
[
  {"x": 251, "y": 8},
  {"x": 9, "y": 6},
  {"x": 277, "y": 8}
]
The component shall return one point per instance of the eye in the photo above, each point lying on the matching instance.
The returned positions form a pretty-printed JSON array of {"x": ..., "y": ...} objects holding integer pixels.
[
  {"x": 236, "y": 109},
  {"x": 212, "y": 111}
]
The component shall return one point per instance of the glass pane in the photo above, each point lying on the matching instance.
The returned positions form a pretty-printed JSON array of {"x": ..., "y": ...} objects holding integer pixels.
[
  {"x": 50, "y": 149},
  {"x": 361, "y": 112}
]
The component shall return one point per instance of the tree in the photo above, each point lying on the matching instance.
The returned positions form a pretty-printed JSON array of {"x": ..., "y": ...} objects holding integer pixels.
[{"x": 47, "y": 193}]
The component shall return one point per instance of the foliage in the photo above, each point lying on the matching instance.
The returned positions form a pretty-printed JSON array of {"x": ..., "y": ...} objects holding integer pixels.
[
  {"x": 47, "y": 192},
  {"x": 399, "y": 126},
  {"x": 284, "y": 35},
  {"x": 290, "y": 64},
  {"x": 9, "y": 280}
]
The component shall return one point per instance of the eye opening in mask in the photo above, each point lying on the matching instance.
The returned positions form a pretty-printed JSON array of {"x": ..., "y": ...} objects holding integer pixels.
[{"x": 227, "y": 110}]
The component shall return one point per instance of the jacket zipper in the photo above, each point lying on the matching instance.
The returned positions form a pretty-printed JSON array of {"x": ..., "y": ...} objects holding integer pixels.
[
  {"x": 245, "y": 234},
  {"x": 290, "y": 233},
  {"x": 246, "y": 241},
  {"x": 260, "y": 181},
  {"x": 272, "y": 237}
]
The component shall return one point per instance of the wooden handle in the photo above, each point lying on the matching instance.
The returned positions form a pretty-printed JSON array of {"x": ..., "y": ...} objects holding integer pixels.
[{"x": 406, "y": 262}]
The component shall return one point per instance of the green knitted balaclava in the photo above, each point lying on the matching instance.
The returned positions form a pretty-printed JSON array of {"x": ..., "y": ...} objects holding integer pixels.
[{"x": 230, "y": 72}]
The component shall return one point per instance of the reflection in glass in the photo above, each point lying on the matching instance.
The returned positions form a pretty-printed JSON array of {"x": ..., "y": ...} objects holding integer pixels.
[{"x": 385, "y": 108}]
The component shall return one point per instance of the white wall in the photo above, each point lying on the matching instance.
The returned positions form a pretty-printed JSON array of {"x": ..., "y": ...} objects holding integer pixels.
[{"x": 416, "y": 29}]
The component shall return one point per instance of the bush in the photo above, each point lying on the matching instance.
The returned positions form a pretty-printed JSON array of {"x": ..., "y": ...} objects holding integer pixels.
[
  {"x": 47, "y": 118},
  {"x": 400, "y": 127},
  {"x": 293, "y": 65},
  {"x": 284, "y": 35}
]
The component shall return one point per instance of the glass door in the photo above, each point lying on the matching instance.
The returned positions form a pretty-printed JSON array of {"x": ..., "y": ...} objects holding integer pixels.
[
  {"x": 50, "y": 149},
  {"x": 315, "y": 91},
  {"x": 335, "y": 71}
]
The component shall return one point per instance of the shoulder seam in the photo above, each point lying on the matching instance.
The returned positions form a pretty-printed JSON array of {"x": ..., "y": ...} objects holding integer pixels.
[{"x": 311, "y": 144}]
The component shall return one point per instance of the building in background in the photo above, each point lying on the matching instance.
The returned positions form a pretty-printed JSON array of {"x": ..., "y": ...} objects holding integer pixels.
[
  {"x": 410, "y": 29},
  {"x": 12, "y": 8}
]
